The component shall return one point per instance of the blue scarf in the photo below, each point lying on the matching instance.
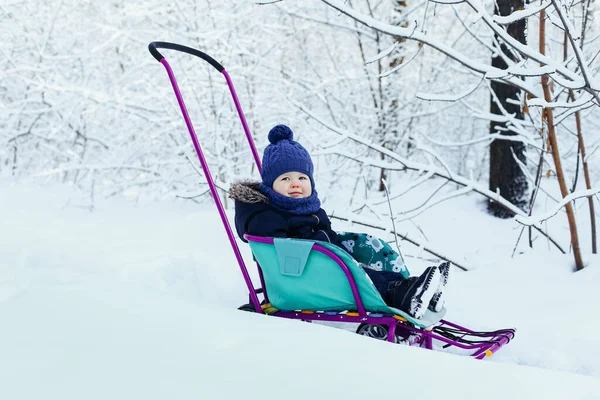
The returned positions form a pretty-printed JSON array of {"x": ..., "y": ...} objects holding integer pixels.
[{"x": 305, "y": 206}]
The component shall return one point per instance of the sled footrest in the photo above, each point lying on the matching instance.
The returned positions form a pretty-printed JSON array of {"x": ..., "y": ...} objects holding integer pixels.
[{"x": 485, "y": 343}]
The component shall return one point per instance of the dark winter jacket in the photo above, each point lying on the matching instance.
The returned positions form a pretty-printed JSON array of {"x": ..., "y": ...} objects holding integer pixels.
[{"x": 255, "y": 215}]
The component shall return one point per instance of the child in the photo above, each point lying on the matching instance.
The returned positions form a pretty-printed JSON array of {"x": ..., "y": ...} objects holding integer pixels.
[{"x": 286, "y": 204}]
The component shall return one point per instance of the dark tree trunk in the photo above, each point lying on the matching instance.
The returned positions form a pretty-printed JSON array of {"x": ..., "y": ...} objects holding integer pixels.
[{"x": 506, "y": 175}]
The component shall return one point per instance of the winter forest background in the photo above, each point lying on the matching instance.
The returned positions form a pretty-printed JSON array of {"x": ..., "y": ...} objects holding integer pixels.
[
  {"x": 415, "y": 101},
  {"x": 474, "y": 123}
]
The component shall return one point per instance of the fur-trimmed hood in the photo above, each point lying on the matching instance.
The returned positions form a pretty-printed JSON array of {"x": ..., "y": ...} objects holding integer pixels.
[
  {"x": 249, "y": 201},
  {"x": 256, "y": 215},
  {"x": 247, "y": 192}
]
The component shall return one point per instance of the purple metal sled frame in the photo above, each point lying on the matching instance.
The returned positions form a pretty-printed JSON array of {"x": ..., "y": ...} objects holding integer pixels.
[{"x": 393, "y": 328}]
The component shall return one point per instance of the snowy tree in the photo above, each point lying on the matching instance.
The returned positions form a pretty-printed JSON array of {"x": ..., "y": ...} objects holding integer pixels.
[
  {"x": 86, "y": 104},
  {"x": 506, "y": 156},
  {"x": 522, "y": 69}
]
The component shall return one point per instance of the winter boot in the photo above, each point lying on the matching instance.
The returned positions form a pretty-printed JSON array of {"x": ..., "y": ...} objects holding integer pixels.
[
  {"x": 414, "y": 294},
  {"x": 437, "y": 301}
]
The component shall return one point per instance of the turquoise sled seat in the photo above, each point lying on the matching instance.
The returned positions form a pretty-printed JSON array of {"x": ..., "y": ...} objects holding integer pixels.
[{"x": 303, "y": 275}]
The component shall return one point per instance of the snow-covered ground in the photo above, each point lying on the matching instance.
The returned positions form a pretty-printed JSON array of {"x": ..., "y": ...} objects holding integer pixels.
[{"x": 140, "y": 302}]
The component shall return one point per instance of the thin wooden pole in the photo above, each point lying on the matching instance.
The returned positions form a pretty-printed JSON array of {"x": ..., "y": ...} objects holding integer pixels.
[{"x": 549, "y": 116}]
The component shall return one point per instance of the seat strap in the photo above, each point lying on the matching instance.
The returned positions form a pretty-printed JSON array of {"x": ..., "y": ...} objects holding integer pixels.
[{"x": 292, "y": 255}]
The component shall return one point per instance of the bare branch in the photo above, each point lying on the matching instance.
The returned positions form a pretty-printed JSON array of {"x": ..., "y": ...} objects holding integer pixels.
[
  {"x": 570, "y": 80},
  {"x": 371, "y": 224},
  {"x": 530, "y": 221},
  {"x": 410, "y": 32},
  {"x": 402, "y": 164}
]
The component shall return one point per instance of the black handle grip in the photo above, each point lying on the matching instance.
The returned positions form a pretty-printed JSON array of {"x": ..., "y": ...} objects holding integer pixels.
[{"x": 172, "y": 46}]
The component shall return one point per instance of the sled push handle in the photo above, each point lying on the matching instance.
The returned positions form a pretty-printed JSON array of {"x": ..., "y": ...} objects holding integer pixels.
[
  {"x": 152, "y": 47},
  {"x": 173, "y": 46}
]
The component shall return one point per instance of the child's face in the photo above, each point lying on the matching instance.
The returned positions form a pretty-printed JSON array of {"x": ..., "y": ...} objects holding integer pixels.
[{"x": 293, "y": 184}]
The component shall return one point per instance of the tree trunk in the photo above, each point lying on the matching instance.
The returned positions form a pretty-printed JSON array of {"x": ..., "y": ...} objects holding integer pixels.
[
  {"x": 548, "y": 116},
  {"x": 506, "y": 175}
]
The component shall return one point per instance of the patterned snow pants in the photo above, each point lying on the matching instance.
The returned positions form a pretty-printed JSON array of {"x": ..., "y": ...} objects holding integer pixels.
[{"x": 374, "y": 255}]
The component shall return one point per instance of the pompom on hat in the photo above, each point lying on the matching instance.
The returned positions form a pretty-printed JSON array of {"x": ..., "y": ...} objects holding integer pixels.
[{"x": 284, "y": 155}]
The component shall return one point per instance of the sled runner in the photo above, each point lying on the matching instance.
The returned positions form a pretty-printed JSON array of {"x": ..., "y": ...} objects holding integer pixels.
[{"x": 318, "y": 281}]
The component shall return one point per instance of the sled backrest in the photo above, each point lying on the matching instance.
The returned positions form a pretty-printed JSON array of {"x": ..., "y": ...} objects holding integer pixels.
[{"x": 307, "y": 275}]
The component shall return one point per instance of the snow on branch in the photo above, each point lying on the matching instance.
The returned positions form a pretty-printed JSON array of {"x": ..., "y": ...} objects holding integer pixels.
[
  {"x": 534, "y": 220},
  {"x": 76, "y": 167},
  {"x": 446, "y": 97},
  {"x": 560, "y": 73},
  {"x": 583, "y": 100},
  {"x": 525, "y": 139},
  {"x": 558, "y": 119},
  {"x": 400, "y": 163},
  {"x": 403, "y": 163},
  {"x": 401, "y": 65},
  {"x": 520, "y": 14},
  {"x": 447, "y": 1},
  {"x": 574, "y": 81},
  {"x": 363, "y": 31},
  {"x": 582, "y": 64},
  {"x": 381, "y": 55},
  {"x": 531, "y": 71},
  {"x": 410, "y": 32}
]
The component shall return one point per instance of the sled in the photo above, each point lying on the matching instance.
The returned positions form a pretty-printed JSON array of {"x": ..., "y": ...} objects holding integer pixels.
[{"x": 318, "y": 281}]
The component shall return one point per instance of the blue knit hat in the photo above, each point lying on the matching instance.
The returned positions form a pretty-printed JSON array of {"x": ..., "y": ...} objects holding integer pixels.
[{"x": 284, "y": 155}]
